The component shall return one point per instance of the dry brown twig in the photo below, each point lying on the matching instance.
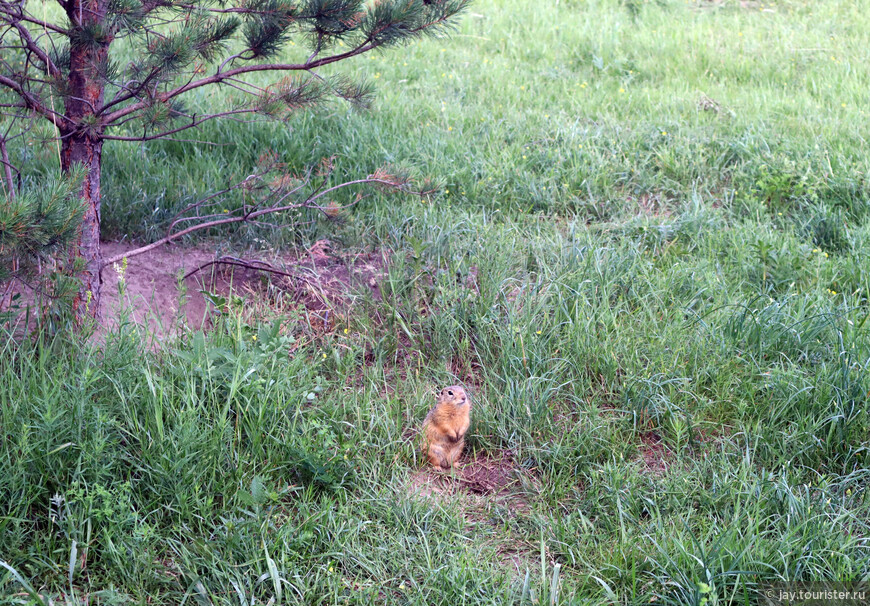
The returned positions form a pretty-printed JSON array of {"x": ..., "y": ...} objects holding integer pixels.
[{"x": 269, "y": 190}]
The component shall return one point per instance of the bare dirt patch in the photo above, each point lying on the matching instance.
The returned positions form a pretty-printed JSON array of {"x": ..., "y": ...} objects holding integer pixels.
[
  {"x": 153, "y": 294},
  {"x": 158, "y": 295},
  {"x": 493, "y": 476},
  {"x": 651, "y": 204},
  {"x": 656, "y": 456}
]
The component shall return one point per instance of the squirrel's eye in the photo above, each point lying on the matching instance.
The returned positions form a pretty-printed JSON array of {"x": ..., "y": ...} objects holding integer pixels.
[{"x": 449, "y": 393}]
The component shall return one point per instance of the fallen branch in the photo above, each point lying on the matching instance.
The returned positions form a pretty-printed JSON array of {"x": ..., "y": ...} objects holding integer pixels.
[
  {"x": 273, "y": 202},
  {"x": 255, "y": 265}
]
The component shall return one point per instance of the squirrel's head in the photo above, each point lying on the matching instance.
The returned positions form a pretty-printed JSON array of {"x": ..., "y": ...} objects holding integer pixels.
[{"x": 454, "y": 395}]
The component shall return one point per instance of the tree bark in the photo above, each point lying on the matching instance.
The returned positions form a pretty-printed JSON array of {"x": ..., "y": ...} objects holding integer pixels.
[
  {"x": 82, "y": 138},
  {"x": 77, "y": 149}
]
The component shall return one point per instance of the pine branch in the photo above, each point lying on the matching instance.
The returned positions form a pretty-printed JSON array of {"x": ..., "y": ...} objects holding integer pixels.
[
  {"x": 135, "y": 92},
  {"x": 24, "y": 35},
  {"x": 245, "y": 69},
  {"x": 33, "y": 103},
  {"x": 9, "y": 9},
  {"x": 37, "y": 222},
  {"x": 266, "y": 33},
  {"x": 193, "y": 123},
  {"x": 236, "y": 10},
  {"x": 437, "y": 14}
]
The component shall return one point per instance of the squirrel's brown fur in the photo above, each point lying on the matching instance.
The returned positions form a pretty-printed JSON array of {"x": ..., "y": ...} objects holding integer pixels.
[{"x": 445, "y": 426}]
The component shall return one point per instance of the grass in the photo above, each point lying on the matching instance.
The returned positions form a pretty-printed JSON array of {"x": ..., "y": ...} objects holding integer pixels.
[{"x": 647, "y": 265}]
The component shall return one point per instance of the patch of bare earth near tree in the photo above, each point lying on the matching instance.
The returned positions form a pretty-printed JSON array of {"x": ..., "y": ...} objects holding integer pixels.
[
  {"x": 174, "y": 286},
  {"x": 485, "y": 489}
]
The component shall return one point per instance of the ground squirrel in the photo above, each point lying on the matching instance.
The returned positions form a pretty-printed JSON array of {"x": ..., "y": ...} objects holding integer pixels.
[{"x": 445, "y": 426}]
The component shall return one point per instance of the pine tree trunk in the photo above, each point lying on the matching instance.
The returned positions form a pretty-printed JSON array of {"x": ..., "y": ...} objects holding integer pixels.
[
  {"x": 83, "y": 142},
  {"x": 85, "y": 150}
]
